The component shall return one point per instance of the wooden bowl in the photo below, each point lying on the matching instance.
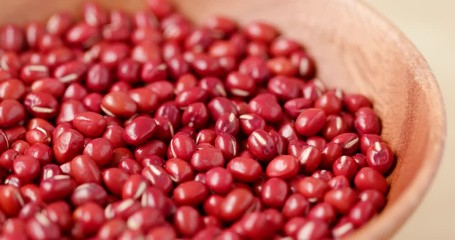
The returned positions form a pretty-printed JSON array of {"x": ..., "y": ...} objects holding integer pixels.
[{"x": 356, "y": 50}]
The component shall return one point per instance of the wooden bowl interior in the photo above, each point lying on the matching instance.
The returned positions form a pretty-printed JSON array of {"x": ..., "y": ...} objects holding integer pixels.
[{"x": 357, "y": 51}]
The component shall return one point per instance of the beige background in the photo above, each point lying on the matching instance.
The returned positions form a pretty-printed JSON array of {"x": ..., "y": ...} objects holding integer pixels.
[{"x": 431, "y": 26}]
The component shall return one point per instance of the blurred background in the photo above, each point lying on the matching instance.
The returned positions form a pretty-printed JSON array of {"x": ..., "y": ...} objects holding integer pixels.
[{"x": 431, "y": 27}]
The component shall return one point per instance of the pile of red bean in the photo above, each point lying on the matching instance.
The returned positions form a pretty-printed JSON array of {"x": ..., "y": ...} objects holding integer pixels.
[{"x": 144, "y": 126}]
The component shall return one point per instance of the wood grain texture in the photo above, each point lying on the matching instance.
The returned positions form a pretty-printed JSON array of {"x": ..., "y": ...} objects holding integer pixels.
[{"x": 357, "y": 51}]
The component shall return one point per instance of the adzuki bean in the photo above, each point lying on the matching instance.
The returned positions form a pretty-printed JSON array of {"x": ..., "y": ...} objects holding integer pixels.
[{"x": 145, "y": 126}]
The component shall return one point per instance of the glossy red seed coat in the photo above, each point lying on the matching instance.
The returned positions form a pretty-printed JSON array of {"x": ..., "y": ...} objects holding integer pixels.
[
  {"x": 205, "y": 159},
  {"x": 90, "y": 124},
  {"x": 244, "y": 169},
  {"x": 310, "y": 121},
  {"x": 190, "y": 193},
  {"x": 235, "y": 204},
  {"x": 380, "y": 157},
  {"x": 283, "y": 166},
  {"x": 368, "y": 178},
  {"x": 219, "y": 180},
  {"x": 311, "y": 188},
  {"x": 85, "y": 170},
  {"x": 90, "y": 217},
  {"x": 187, "y": 221},
  {"x": 274, "y": 192},
  {"x": 261, "y": 144}
]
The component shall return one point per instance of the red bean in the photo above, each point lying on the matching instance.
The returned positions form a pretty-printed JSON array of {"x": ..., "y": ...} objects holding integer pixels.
[
  {"x": 330, "y": 153},
  {"x": 85, "y": 170},
  {"x": 13, "y": 180},
  {"x": 98, "y": 78},
  {"x": 219, "y": 180},
  {"x": 181, "y": 146},
  {"x": 190, "y": 193},
  {"x": 95, "y": 15},
  {"x": 288, "y": 132},
  {"x": 100, "y": 150},
  {"x": 31, "y": 193},
  {"x": 179, "y": 170},
  {"x": 89, "y": 192},
  {"x": 49, "y": 171},
  {"x": 219, "y": 106},
  {"x": 361, "y": 213},
  {"x": 11, "y": 113},
  {"x": 139, "y": 130},
  {"x": 354, "y": 102},
  {"x": 349, "y": 142},
  {"x": 329, "y": 103},
  {"x": 261, "y": 145},
  {"x": 153, "y": 147},
  {"x": 114, "y": 179},
  {"x": 260, "y": 31},
  {"x": 112, "y": 229},
  {"x": 145, "y": 99},
  {"x": 310, "y": 121},
  {"x": 274, "y": 192},
  {"x": 324, "y": 175},
  {"x": 255, "y": 224},
  {"x": 67, "y": 145},
  {"x": 380, "y": 157},
  {"x": 211, "y": 205},
  {"x": 90, "y": 217},
  {"x": 339, "y": 182},
  {"x": 373, "y": 196},
  {"x": 134, "y": 187},
  {"x": 235, "y": 204},
  {"x": 266, "y": 106},
  {"x": 114, "y": 135},
  {"x": 282, "y": 66},
  {"x": 313, "y": 229},
  {"x": 316, "y": 141},
  {"x": 244, "y": 169},
  {"x": 227, "y": 144},
  {"x": 283, "y": 166},
  {"x": 366, "y": 121},
  {"x": 309, "y": 158},
  {"x": 345, "y": 166},
  {"x": 158, "y": 177},
  {"x": 343, "y": 228},
  {"x": 12, "y": 89},
  {"x": 90, "y": 124},
  {"x": 40, "y": 227},
  {"x": 341, "y": 199},
  {"x": 311, "y": 188},
  {"x": 240, "y": 85},
  {"x": 27, "y": 168},
  {"x": 70, "y": 72},
  {"x": 205, "y": 159},
  {"x": 118, "y": 104},
  {"x": 11, "y": 200},
  {"x": 57, "y": 187},
  {"x": 164, "y": 232},
  {"x": 145, "y": 219},
  {"x": 369, "y": 178},
  {"x": 323, "y": 211},
  {"x": 122, "y": 209},
  {"x": 227, "y": 123},
  {"x": 187, "y": 221},
  {"x": 295, "y": 205}
]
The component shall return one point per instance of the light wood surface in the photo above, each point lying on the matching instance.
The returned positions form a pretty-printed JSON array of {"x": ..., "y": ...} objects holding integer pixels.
[{"x": 355, "y": 50}]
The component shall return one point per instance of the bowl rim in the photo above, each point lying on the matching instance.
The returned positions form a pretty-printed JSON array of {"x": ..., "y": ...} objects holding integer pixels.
[{"x": 405, "y": 205}]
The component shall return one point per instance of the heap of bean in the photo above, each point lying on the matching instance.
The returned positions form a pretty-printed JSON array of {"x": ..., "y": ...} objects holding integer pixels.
[{"x": 145, "y": 126}]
